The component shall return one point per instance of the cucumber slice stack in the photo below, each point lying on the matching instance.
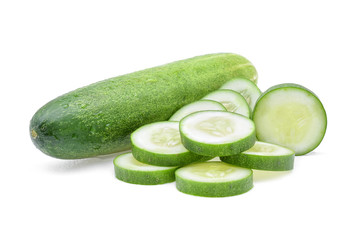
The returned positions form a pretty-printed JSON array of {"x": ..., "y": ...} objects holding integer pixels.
[
  {"x": 231, "y": 100},
  {"x": 213, "y": 179},
  {"x": 217, "y": 133},
  {"x": 263, "y": 156},
  {"x": 128, "y": 169}
]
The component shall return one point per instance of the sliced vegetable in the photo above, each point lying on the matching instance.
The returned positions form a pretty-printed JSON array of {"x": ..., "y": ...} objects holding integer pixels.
[
  {"x": 128, "y": 169},
  {"x": 246, "y": 88},
  {"x": 160, "y": 144},
  {"x": 213, "y": 179},
  {"x": 290, "y": 115},
  {"x": 196, "y": 106},
  {"x": 231, "y": 100},
  {"x": 263, "y": 156},
  {"x": 217, "y": 133}
]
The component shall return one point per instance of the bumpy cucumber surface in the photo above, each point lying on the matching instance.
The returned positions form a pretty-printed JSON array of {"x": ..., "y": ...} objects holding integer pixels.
[
  {"x": 231, "y": 100},
  {"x": 160, "y": 144},
  {"x": 290, "y": 115},
  {"x": 213, "y": 179},
  {"x": 197, "y": 106},
  {"x": 128, "y": 169},
  {"x": 98, "y": 119},
  {"x": 217, "y": 133},
  {"x": 263, "y": 156},
  {"x": 247, "y": 88}
]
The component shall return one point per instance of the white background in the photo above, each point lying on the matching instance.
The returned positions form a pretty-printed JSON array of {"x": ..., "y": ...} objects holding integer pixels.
[{"x": 50, "y": 48}]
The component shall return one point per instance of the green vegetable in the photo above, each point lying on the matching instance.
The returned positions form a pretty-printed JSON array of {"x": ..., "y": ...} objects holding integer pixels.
[
  {"x": 98, "y": 119},
  {"x": 128, "y": 169},
  {"x": 292, "y": 116},
  {"x": 160, "y": 144},
  {"x": 213, "y": 179},
  {"x": 217, "y": 133},
  {"x": 263, "y": 156}
]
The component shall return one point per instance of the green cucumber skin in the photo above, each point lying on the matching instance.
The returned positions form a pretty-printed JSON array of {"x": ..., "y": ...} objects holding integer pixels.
[
  {"x": 269, "y": 163},
  {"x": 302, "y": 88},
  {"x": 215, "y": 189},
  {"x": 98, "y": 119},
  {"x": 166, "y": 160},
  {"x": 145, "y": 177}
]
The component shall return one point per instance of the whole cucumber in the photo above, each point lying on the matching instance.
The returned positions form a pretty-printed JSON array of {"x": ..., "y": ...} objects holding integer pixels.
[{"x": 98, "y": 119}]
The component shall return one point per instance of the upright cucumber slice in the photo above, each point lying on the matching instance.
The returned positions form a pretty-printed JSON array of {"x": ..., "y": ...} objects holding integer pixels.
[
  {"x": 128, "y": 169},
  {"x": 246, "y": 88},
  {"x": 195, "y": 107},
  {"x": 213, "y": 179},
  {"x": 217, "y": 133},
  {"x": 231, "y": 100},
  {"x": 290, "y": 115},
  {"x": 263, "y": 156},
  {"x": 160, "y": 144}
]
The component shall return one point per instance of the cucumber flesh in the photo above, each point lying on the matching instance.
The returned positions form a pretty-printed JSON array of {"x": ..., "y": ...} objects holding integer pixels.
[
  {"x": 246, "y": 88},
  {"x": 196, "y": 106},
  {"x": 292, "y": 116},
  {"x": 217, "y": 133},
  {"x": 231, "y": 100},
  {"x": 128, "y": 169},
  {"x": 160, "y": 144},
  {"x": 213, "y": 179},
  {"x": 263, "y": 156}
]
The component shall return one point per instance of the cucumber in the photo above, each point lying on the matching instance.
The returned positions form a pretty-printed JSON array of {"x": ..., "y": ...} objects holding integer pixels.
[
  {"x": 160, "y": 144},
  {"x": 292, "y": 116},
  {"x": 200, "y": 105},
  {"x": 247, "y": 88},
  {"x": 231, "y": 100},
  {"x": 217, "y": 133},
  {"x": 263, "y": 156},
  {"x": 213, "y": 179},
  {"x": 128, "y": 169},
  {"x": 98, "y": 119}
]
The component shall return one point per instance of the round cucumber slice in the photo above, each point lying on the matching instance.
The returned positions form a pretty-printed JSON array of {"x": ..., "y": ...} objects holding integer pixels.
[
  {"x": 200, "y": 105},
  {"x": 231, "y": 100},
  {"x": 246, "y": 88},
  {"x": 263, "y": 156},
  {"x": 160, "y": 144},
  {"x": 290, "y": 115},
  {"x": 213, "y": 179},
  {"x": 128, "y": 169},
  {"x": 217, "y": 133}
]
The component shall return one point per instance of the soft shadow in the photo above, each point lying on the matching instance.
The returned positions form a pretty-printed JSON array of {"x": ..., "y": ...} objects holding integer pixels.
[
  {"x": 80, "y": 164},
  {"x": 259, "y": 175}
]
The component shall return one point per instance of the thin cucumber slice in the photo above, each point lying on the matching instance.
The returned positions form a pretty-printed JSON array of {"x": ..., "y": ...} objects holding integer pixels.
[
  {"x": 263, "y": 156},
  {"x": 213, "y": 179},
  {"x": 200, "y": 105},
  {"x": 217, "y": 133},
  {"x": 128, "y": 169},
  {"x": 231, "y": 100},
  {"x": 160, "y": 144},
  {"x": 290, "y": 115},
  {"x": 246, "y": 88}
]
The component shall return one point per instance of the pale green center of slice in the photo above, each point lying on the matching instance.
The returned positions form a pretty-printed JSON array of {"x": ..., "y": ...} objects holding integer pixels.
[
  {"x": 246, "y": 96},
  {"x": 262, "y": 148},
  {"x": 231, "y": 107},
  {"x": 166, "y": 137},
  {"x": 216, "y": 126},
  {"x": 212, "y": 170}
]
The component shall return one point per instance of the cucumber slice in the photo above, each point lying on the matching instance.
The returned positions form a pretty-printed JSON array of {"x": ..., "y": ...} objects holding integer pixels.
[
  {"x": 200, "y": 105},
  {"x": 128, "y": 169},
  {"x": 290, "y": 115},
  {"x": 263, "y": 156},
  {"x": 231, "y": 100},
  {"x": 160, "y": 144},
  {"x": 246, "y": 88},
  {"x": 217, "y": 133},
  {"x": 213, "y": 179}
]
